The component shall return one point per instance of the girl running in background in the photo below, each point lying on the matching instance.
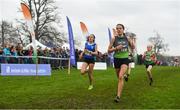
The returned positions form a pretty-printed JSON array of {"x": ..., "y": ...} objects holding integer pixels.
[
  {"x": 149, "y": 58},
  {"x": 88, "y": 55},
  {"x": 131, "y": 56},
  {"x": 131, "y": 60}
]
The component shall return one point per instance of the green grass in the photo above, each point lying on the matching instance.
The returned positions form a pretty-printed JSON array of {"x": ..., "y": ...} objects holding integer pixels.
[{"x": 70, "y": 91}]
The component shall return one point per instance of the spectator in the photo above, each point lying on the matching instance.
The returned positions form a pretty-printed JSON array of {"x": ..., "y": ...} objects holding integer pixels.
[
  {"x": 13, "y": 53},
  {"x": 30, "y": 53},
  {"x": 6, "y": 52}
]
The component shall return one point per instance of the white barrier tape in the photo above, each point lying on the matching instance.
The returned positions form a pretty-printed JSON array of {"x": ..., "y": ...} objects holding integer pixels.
[
  {"x": 53, "y": 58},
  {"x": 34, "y": 57}
]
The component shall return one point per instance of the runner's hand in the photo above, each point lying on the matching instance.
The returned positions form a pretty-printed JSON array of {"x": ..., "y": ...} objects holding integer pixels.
[
  {"x": 81, "y": 56},
  {"x": 114, "y": 32},
  {"x": 119, "y": 47}
]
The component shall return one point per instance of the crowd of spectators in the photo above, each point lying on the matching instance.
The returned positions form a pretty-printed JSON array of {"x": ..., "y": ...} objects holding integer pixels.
[{"x": 18, "y": 55}]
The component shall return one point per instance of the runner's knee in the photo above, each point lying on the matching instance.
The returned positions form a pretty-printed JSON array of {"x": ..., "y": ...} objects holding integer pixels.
[
  {"x": 120, "y": 77},
  {"x": 82, "y": 71}
]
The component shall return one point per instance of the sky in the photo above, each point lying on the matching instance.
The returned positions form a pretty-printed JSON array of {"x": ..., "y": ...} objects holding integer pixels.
[{"x": 142, "y": 17}]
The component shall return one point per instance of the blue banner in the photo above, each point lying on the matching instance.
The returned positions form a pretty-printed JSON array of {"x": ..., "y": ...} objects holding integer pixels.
[
  {"x": 110, "y": 37},
  {"x": 71, "y": 43},
  {"x": 25, "y": 70},
  {"x": 111, "y": 54}
]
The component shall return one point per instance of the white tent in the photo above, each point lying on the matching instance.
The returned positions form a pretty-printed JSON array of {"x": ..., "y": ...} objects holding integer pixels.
[
  {"x": 38, "y": 44},
  {"x": 66, "y": 45}
]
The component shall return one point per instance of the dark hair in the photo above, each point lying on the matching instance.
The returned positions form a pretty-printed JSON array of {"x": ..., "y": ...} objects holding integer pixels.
[
  {"x": 121, "y": 25},
  {"x": 91, "y": 35}
]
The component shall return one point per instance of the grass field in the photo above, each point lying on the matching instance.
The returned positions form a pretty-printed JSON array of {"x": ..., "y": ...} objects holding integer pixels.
[{"x": 70, "y": 91}]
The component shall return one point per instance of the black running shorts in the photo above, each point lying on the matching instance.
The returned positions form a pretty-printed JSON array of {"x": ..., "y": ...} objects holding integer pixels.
[
  {"x": 89, "y": 61},
  {"x": 120, "y": 61}
]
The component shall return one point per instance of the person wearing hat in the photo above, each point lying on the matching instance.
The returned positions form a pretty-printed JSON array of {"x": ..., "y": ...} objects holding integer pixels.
[
  {"x": 149, "y": 58},
  {"x": 89, "y": 55}
]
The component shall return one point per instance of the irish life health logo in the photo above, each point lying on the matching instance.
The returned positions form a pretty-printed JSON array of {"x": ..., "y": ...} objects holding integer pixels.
[{"x": 8, "y": 69}]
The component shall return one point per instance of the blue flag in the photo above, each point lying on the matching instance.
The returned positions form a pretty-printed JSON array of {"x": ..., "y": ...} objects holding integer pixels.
[
  {"x": 110, "y": 37},
  {"x": 111, "y": 54},
  {"x": 71, "y": 43}
]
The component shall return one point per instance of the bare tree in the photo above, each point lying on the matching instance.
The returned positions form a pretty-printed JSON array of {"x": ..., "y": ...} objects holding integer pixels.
[
  {"x": 2, "y": 33},
  {"x": 159, "y": 45},
  {"x": 46, "y": 21},
  {"x": 8, "y": 33}
]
